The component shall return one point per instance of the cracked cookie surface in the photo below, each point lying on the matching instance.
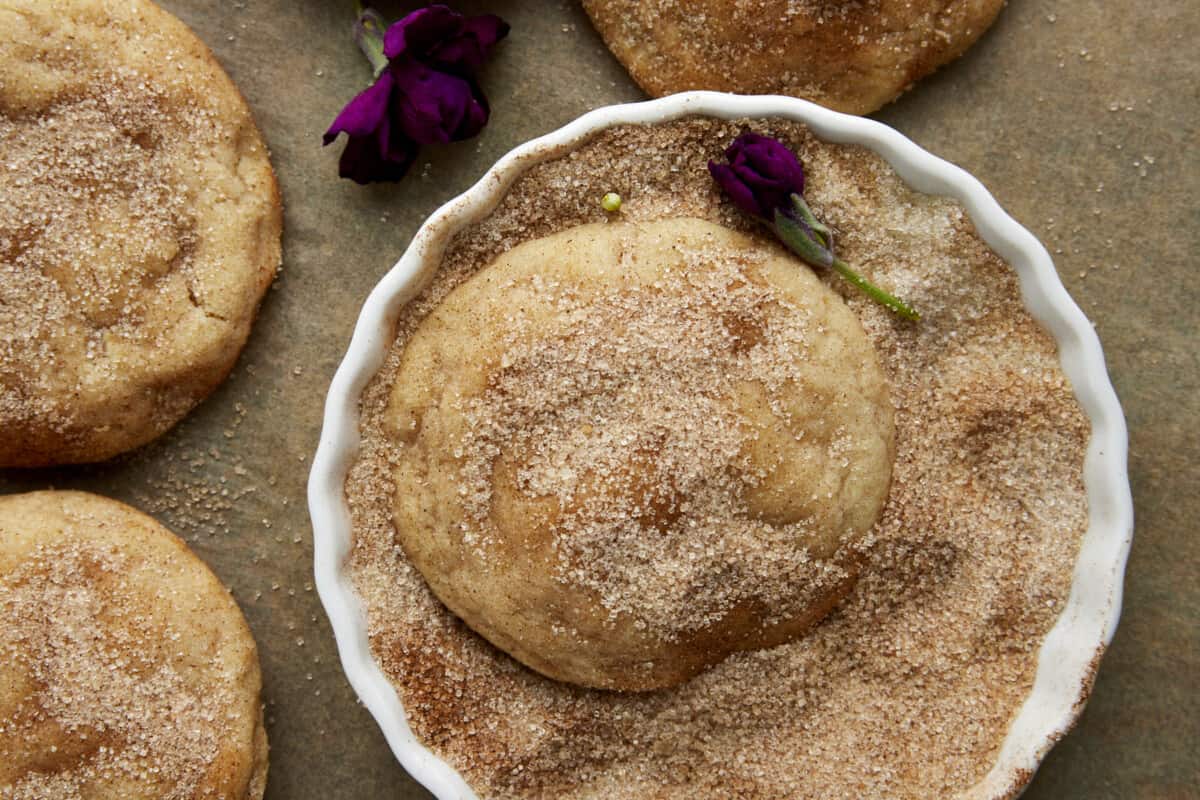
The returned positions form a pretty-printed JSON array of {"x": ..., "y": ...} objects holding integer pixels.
[{"x": 140, "y": 230}]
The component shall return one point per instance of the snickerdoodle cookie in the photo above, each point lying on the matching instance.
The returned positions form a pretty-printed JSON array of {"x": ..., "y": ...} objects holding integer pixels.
[
  {"x": 126, "y": 669},
  {"x": 630, "y": 450},
  {"x": 140, "y": 226},
  {"x": 849, "y": 56}
]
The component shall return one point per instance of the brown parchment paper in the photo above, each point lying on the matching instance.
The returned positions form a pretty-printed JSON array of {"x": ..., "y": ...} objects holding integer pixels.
[{"x": 1081, "y": 117}]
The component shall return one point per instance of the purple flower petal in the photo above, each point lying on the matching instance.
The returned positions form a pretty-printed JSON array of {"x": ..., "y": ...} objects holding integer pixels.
[
  {"x": 367, "y": 159},
  {"x": 761, "y": 176},
  {"x": 769, "y": 158},
  {"x": 414, "y": 33},
  {"x": 435, "y": 107},
  {"x": 471, "y": 47},
  {"x": 376, "y": 150},
  {"x": 445, "y": 39},
  {"x": 741, "y": 194},
  {"x": 364, "y": 114}
]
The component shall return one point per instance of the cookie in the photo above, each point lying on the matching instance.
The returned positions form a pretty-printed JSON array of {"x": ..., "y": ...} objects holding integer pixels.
[
  {"x": 126, "y": 669},
  {"x": 139, "y": 230},
  {"x": 851, "y": 57},
  {"x": 629, "y": 450}
]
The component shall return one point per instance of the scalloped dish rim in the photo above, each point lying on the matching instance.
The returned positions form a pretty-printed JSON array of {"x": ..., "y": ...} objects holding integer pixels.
[{"x": 1068, "y": 657}]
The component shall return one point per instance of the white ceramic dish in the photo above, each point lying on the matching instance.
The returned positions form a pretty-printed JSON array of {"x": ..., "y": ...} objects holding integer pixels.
[{"x": 1069, "y": 655}]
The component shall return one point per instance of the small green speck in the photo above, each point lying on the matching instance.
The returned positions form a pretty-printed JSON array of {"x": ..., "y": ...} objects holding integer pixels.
[{"x": 611, "y": 202}]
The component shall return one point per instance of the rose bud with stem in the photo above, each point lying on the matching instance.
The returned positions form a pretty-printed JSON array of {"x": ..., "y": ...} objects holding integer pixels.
[{"x": 766, "y": 180}]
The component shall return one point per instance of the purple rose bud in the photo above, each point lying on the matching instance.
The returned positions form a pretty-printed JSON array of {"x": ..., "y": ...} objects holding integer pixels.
[
  {"x": 761, "y": 176},
  {"x": 445, "y": 39},
  {"x": 766, "y": 180}
]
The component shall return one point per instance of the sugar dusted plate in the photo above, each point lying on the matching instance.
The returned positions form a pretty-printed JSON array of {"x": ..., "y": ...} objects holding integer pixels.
[{"x": 1070, "y": 652}]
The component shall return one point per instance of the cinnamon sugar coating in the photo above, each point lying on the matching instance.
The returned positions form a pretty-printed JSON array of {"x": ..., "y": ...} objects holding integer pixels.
[
  {"x": 139, "y": 229},
  {"x": 850, "y": 55},
  {"x": 126, "y": 669},
  {"x": 625, "y": 451},
  {"x": 907, "y": 688}
]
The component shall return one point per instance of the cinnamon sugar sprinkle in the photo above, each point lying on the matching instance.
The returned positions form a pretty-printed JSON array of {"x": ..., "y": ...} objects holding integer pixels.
[
  {"x": 601, "y": 419},
  {"x": 102, "y": 686},
  {"x": 95, "y": 223},
  {"x": 906, "y": 690}
]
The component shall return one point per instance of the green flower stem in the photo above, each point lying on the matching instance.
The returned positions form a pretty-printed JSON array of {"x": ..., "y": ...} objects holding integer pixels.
[
  {"x": 369, "y": 30},
  {"x": 805, "y": 236},
  {"x": 802, "y": 240},
  {"x": 872, "y": 291}
]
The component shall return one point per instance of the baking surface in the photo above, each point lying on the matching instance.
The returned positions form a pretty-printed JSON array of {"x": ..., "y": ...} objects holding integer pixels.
[{"x": 1081, "y": 118}]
